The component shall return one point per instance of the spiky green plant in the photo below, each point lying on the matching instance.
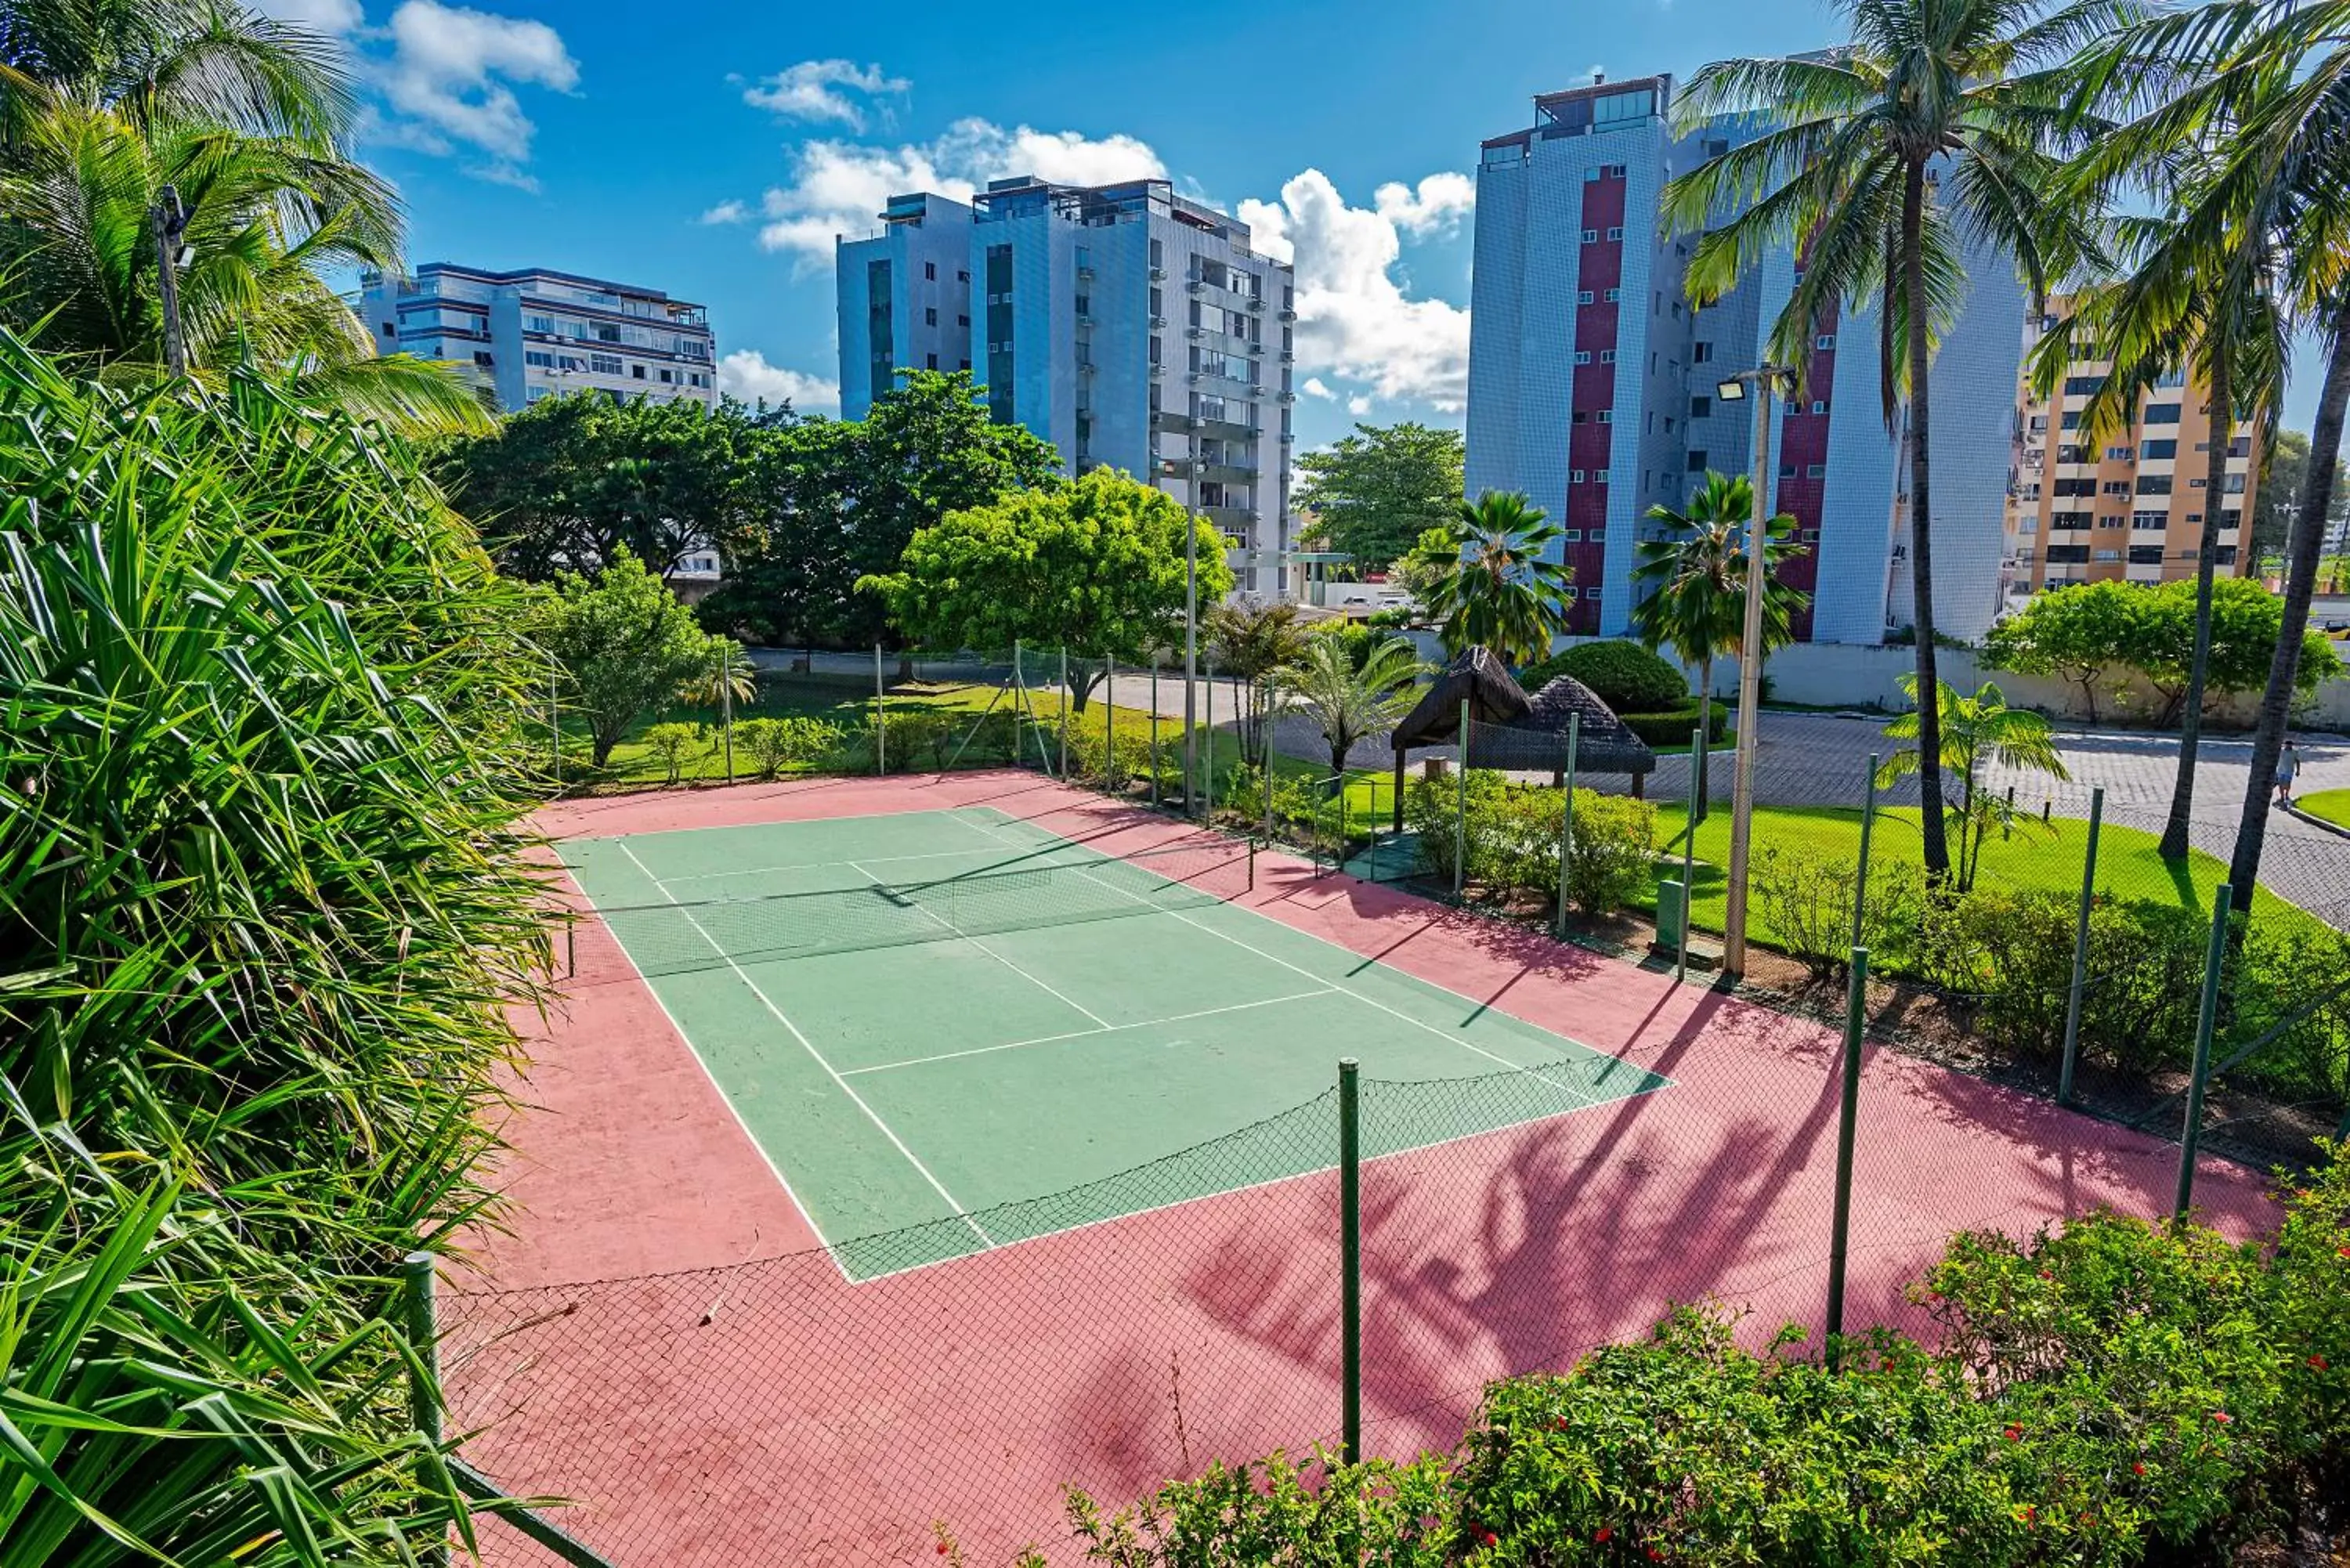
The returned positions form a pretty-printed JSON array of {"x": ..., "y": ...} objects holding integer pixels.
[
  {"x": 1502, "y": 594},
  {"x": 1349, "y": 700}
]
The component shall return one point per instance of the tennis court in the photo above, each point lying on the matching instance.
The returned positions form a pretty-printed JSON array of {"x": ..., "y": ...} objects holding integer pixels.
[{"x": 925, "y": 1019}]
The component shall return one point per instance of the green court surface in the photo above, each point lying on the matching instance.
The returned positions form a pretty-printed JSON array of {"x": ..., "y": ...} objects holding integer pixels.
[{"x": 953, "y": 1030}]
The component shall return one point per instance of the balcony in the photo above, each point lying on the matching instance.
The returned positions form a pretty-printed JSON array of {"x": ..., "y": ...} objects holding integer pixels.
[
  {"x": 1230, "y": 519},
  {"x": 1287, "y": 314}
]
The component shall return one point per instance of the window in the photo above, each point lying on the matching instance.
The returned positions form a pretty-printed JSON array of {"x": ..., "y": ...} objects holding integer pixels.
[
  {"x": 2071, "y": 421},
  {"x": 1701, "y": 353},
  {"x": 1583, "y": 355},
  {"x": 963, "y": 321},
  {"x": 534, "y": 394},
  {"x": 1616, "y": 170},
  {"x": 669, "y": 377},
  {"x": 2121, "y": 487},
  {"x": 1581, "y": 418},
  {"x": 1701, "y": 407},
  {"x": 2082, "y": 386},
  {"x": 1824, "y": 340},
  {"x": 962, "y": 275},
  {"x": 2235, "y": 485},
  {"x": 931, "y": 316},
  {"x": 1607, "y": 355},
  {"x": 1816, "y": 470},
  {"x": 1591, "y": 592},
  {"x": 538, "y": 358},
  {"x": 2156, "y": 521},
  {"x": 2162, "y": 414},
  {"x": 2070, "y": 454},
  {"x": 638, "y": 371},
  {"x": 931, "y": 271},
  {"x": 482, "y": 357},
  {"x": 933, "y": 361},
  {"x": 1585, "y": 297},
  {"x": 1591, "y": 236},
  {"x": 389, "y": 330},
  {"x": 2159, "y": 449},
  {"x": 1571, "y": 537},
  {"x": 1607, "y": 416},
  {"x": 1786, "y": 470},
  {"x": 2119, "y": 454},
  {"x": 1598, "y": 476},
  {"x": 1615, "y": 231},
  {"x": 1591, "y": 173},
  {"x": 1819, "y": 405},
  {"x": 1574, "y": 476},
  {"x": 1697, "y": 462},
  {"x": 1613, "y": 294},
  {"x": 603, "y": 363},
  {"x": 2154, "y": 485}
]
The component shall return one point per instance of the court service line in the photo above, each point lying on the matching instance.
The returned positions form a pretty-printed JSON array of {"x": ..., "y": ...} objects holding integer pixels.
[
  {"x": 1099, "y": 1022},
  {"x": 823, "y": 865},
  {"x": 1090, "y": 1033},
  {"x": 817, "y": 1056},
  {"x": 716, "y": 1087},
  {"x": 1582, "y": 1102}
]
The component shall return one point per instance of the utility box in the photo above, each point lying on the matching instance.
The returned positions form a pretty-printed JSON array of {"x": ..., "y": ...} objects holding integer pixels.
[{"x": 1672, "y": 910}]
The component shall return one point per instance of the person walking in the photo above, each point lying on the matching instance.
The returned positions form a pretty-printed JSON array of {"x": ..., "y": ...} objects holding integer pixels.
[{"x": 2288, "y": 765}]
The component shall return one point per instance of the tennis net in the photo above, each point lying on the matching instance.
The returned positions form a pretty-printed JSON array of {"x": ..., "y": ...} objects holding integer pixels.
[{"x": 1058, "y": 885}]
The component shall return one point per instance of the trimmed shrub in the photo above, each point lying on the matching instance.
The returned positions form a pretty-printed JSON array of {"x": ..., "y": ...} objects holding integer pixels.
[
  {"x": 1672, "y": 728},
  {"x": 775, "y": 744},
  {"x": 674, "y": 745},
  {"x": 1114, "y": 766},
  {"x": 1512, "y": 839},
  {"x": 1624, "y": 675},
  {"x": 1803, "y": 902},
  {"x": 1608, "y": 866}
]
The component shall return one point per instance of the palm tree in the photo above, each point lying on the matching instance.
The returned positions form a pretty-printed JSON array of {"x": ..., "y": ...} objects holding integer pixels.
[
  {"x": 1977, "y": 732},
  {"x": 1250, "y": 643},
  {"x": 1349, "y": 699},
  {"x": 1502, "y": 595},
  {"x": 103, "y": 108},
  {"x": 1940, "y": 122},
  {"x": 1698, "y": 578},
  {"x": 2260, "y": 95}
]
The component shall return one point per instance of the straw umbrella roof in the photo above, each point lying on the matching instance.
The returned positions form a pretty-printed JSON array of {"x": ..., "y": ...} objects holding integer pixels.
[
  {"x": 1476, "y": 678},
  {"x": 1521, "y": 733}
]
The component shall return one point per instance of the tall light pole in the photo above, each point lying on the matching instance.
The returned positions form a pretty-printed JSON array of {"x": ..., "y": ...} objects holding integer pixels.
[
  {"x": 1764, "y": 381},
  {"x": 1191, "y": 659}
]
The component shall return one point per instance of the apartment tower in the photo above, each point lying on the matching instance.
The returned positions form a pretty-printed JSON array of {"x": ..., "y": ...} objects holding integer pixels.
[{"x": 904, "y": 297}]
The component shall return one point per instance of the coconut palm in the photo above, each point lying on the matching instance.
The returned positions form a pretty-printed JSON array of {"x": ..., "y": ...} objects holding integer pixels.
[
  {"x": 1250, "y": 642},
  {"x": 2178, "y": 304},
  {"x": 1349, "y": 698},
  {"x": 1697, "y": 578},
  {"x": 1502, "y": 595},
  {"x": 1978, "y": 731},
  {"x": 1939, "y": 123},
  {"x": 2261, "y": 94}
]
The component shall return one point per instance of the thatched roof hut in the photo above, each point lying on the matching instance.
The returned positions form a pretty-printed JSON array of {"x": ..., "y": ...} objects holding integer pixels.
[{"x": 1512, "y": 730}]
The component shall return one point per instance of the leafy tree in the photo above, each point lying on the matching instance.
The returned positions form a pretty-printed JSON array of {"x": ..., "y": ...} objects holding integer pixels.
[
  {"x": 2076, "y": 634},
  {"x": 928, "y": 448},
  {"x": 1376, "y": 492},
  {"x": 568, "y": 482},
  {"x": 1096, "y": 566},
  {"x": 1697, "y": 583},
  {"x": 249, "y": 121},
  {"x": 1502, "y": 594},
  {"x": 625, "y": 644},
  {"x": 2280, "y": 489},
  {"x": 1965, "y": 86},
  {"x": 788, "y": 578},
  {"x": 1627, "y": 677},
  {"x": 1349, "y": 702},
  {"x": 2245, "y": 623},
  {"x": 1250, "y": 642},
  {"x": 1981, "y": 731},
  {"x": 1428, "y": 563}
]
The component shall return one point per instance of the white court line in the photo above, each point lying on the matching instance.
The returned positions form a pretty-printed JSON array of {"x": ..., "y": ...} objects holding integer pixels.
[
  {"x": 1089, "y": 1034},
  {"x": 823, "y": 865},
  {"x": 767, "y": 1002},
  {"x": 1099, "y": 1022},
  {"x": 716, "y": 1086},
  {"x": 1581, "y": 1103}
]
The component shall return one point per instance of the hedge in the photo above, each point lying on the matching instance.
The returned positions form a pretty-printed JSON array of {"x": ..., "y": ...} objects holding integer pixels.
[
  {"x": 1672, "y": 728},
  {"x": 1624, "y": 675}
]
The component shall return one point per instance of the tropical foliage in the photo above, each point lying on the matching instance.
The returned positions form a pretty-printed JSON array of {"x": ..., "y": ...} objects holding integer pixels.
[
  {"x": 1349, "y": 697},
  {"x": 1978, "y": 731},
  {"x": 1375, "y": 492},
  {"x": 1501, "y": 593},
  {"x": 1248, "y": 643},
  {"x": 1936, "y": 122},
  {"x": 625, "y": 645}
]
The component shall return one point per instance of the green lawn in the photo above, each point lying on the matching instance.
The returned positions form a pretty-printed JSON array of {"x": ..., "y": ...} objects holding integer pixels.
[
  {"x": 2128, "y": 866},
  {"x": 2333, "y": 804}
]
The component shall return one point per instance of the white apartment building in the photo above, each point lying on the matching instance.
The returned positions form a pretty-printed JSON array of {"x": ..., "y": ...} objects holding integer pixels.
[
  {"x": 904, "y": 297},
  {"x": 534, "y": 333}
]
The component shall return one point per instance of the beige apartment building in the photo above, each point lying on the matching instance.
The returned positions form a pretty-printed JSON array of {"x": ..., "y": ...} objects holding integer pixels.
[{"x": 2128, "y": 505}]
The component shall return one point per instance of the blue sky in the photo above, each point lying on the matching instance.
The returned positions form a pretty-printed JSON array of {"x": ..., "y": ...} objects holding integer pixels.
[{"x": 713, "y": 150}]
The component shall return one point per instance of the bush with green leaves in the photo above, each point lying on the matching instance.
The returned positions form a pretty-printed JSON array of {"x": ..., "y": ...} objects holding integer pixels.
[
  {"x": 1624, "y": 675},
  {"x": 1614, "y": 852},
  {"x": 775, "y": 744},
  {"x": 1674, "y": 726},
  {"x": 1511, "y": 838},
  {"x": 1802, "y": 902},
  {"x": 1113, "y": 762},
  {"x": 626, "y": 645},
  {"x": 675, "y": 745}
]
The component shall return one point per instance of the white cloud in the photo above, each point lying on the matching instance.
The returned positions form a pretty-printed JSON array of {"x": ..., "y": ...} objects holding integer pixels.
[
  {"x": 1316, "y": 386},
  {"x": 745, "y": 374},
  {"x": 1436, "y": 208},
  {"x": 814, "y": 90},
  {"x": 448, "y": 80},
  {"x": 1358, "y": 407},
  {"x": 1353, "y": 320},
  {"x": 838, "y": 187},
  {"x": 726, "y": 213}
]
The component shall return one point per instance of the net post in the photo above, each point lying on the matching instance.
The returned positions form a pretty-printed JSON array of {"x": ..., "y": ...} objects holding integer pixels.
[
  {"x": 2206, "y": 1016},
  {"x": 1566, "y": 820},
  {"x": 1252, "y": 866},
  {"x": 1460, "y": 812},
  {"x": 555, "y": 716},
  {"x": 880, "y": 717},
  {"x": 1689, "y": 863},
  {"x": 571, "y": 947},
  {"x": 1868, "y": 822},
  {"x": 1264, "y": 756},
  {"x": 1109, "y": 720},
  {"x": 1208, "y": 780},
  {"x": 1847, "y": 1117},
  {"x": 417, "y": 1319},
  {"x": 1154, "y": 727},
  {"x": 2080, "y": 949},
  {"x": 1350, "y": 1264},
  {"x": 1064, "y": 713}
]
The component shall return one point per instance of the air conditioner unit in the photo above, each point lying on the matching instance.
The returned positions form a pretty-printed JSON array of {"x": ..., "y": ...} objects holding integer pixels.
[
  {"x": 1195, "y": 332},
  {"x": 1159, "y": 275}
]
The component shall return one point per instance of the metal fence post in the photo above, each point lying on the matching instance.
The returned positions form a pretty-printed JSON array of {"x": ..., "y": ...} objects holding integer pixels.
[
  {"x": 1110, "y": 720},
  {"x": 726, "y": 708},
  {"x": 1461, "y": 814},
  {"x": 1208, "y": 779},
  {"x": 880, "y": 716},
  {"x": 2206, "y": 1016},
  {"x": 1566, "y": 820},
  {"x": 417, "y": 1317},
  {"x": 1065, "y": 712},
  {"x": 1689, "y": 868},
  {"x": 555, "y": 714},
  {"x": 1154, "y": 728},
  {"x": 1264, "y": 754},
  {"x": 1856, "y": 1010},
  {"x": 2081, "y": 950},
  {"x": 1350, "y": 1265},
  {"x": 1860, "y": 877}
]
